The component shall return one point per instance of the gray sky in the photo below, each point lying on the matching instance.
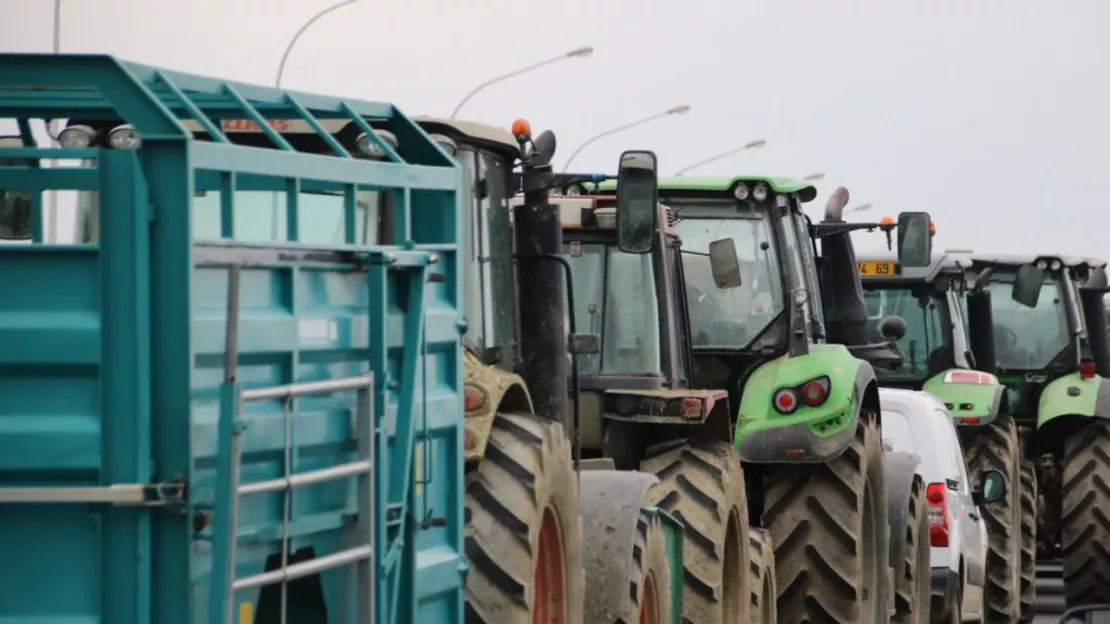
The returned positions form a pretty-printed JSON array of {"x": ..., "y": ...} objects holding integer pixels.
[{"x": 989, "y": 114}]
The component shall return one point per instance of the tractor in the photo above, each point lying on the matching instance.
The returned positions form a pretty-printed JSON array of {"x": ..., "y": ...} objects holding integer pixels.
[
  {"x": 782, "y": 330},
  {"x": 1050, "y": 350},
  {"x": 950, "y": 354}
]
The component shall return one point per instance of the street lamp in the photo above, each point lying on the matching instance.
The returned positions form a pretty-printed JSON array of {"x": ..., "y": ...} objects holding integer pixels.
[
  {"x": 752, "y": 145},
  {"x": 297, "y": 36},
  {"x": 813, "y": 177},
  {"x": 276, "y": 210},
  {"x": 859, "y": 208},
  {"x": 580, "y": 52},
  {"x": 681, "y": 109}
]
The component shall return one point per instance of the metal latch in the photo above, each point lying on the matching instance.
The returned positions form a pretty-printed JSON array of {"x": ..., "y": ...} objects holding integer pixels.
[{"x": 124, "y": 494}]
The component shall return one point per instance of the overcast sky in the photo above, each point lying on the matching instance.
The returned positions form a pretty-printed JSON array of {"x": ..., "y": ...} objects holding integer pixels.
[{"x": 991, "y": 114}]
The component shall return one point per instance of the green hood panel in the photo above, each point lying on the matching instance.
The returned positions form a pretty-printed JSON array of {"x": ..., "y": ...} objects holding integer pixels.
[
  {"x": 1070, "y": 395},
  {"x": 756, "y": 412},
  {"x": 967, "y": 400}
]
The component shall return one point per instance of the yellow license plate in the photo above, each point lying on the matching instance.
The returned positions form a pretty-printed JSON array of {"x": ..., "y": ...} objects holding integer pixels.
[{"x": 877, "y": 269}]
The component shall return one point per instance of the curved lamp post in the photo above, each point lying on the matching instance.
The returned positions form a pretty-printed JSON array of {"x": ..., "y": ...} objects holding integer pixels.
[
  {"x": 814, "y": 177},
  {"x": 681, "y": 109},
  {"x": 747, "y": 146},
  {"x": 581, "y": 52}
]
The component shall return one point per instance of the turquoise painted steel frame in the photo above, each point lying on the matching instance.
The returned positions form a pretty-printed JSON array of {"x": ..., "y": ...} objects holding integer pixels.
[{"x": 110, "y": 353}]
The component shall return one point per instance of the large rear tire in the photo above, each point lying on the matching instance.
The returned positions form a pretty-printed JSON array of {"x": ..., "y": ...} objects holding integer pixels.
[
  {"x": 996, "y": 447},
  {"x": 1028, "y": 540},
  {"x": 628, "y": 569},
  {"x": 1085, "y": 515},
  {"x": 830, "y": 529},
  {"x": 913, "y": 580},
  {"x": 764, "y": 592},
  {"x": 702, "y": 485},
  {"x": 524, "y": 533}
]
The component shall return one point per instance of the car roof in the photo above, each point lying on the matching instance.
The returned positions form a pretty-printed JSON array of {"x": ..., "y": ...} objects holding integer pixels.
[{"x": 931, "y": 427}]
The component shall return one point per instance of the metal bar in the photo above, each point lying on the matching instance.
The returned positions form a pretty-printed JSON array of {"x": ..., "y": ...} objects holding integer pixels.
[
  {"x": 85, "y": 153},
  {"x": 303, "y": 479},
  {"x": 213, "y": 132},
  {"x": 324, "y": 135},
  {"x": 49, "y": 178},
  {"x": 326, "y": 386},
  {"x": 287, "y": 416},
  {"x": 366, "y": 516},
  {"x": 231, "y": 346},
  {"x": 120, "y": 494},
  {"x": 277, "y": 164},
  {"x": 248, "y": 110},
  {"x": 390, "y": 153},
  {"x": 305, "y": 568}
]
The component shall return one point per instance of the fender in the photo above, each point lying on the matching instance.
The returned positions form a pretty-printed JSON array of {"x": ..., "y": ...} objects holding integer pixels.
[
  {"x": 1071, "y": 395},
  {"x": 487, "y": 390},
  {"x": 981, "y": 400},
  {"x": 809, "y": 434}
]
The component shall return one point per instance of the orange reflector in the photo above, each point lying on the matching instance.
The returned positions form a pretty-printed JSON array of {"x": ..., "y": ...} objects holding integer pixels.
[{"x": 473, "y": 399}]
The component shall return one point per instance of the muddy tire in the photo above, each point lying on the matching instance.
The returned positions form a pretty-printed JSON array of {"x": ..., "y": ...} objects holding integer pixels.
[
  {"x": 1085, "y": 515},
  {"x": 1028, "y": 540},
  {"x": 996, "y": 447},
  {"x": 761, "y": 579},
  {"x": 830, "y": 529},
  {"x": 628, "y": 570},
  {"x": 702, "y": 485},
  {"x": 523, "y": 487},
  {"x": 913, "y": 580}
]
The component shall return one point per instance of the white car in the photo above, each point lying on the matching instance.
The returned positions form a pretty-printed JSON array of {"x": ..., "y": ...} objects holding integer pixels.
[{"x": 917, "y": 423}]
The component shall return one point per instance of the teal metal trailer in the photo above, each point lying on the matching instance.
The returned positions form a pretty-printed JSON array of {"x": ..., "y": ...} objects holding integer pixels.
[{"x": 199, "y": 429}]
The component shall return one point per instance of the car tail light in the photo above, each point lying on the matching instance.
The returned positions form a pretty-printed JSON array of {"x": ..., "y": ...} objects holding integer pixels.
[
  {"x": 970, "y": 377},
  {"x": 937, "y": 498},
  {"x": 785, "y": 400},
  {"x": 815, "y": 391},
  {"x": 1087, "y": 369}
]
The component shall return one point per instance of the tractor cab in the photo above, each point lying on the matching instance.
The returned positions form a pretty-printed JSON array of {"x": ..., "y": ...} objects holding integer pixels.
[{"x": 1048, "y": 322}]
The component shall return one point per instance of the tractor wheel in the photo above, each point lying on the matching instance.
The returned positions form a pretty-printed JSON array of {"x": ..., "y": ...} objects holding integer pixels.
[
  {"x": 1028, "y": 539},
  {"x": 761, "y": 583},
  {"x": 996, "y": 448},
  {"x": 830, "y": 529},
  {"x": 628, "y": 568},
  {"x": 1085, "y": 512},
  {"x": 913, "y": 580},
  {"x": 702, "y": 485},
  {"x": 524, "y": 533}
]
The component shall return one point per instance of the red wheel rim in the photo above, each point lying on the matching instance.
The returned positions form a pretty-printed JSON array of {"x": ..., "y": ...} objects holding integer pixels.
[
  {"x": 649, "y": 606},
  {"x": 551, "y": 578}
]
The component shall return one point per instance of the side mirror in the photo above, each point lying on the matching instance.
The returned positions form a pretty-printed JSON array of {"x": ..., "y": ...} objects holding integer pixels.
[
  {"x": 892, "y": 328},
  {"x": 992, "y": 487},
  {"x": 724, "y": 263},
  {"x": 1087, "y": 614},
  {"x": 543, "y": 149},
  {"x": 915, "y": 241},
  {"x": 637, "y": 202},
  {"x": 1027, "y": 285}
]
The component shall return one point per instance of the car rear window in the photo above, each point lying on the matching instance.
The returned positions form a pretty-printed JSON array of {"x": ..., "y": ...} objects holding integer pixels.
[{"x": 897, "y": 430}]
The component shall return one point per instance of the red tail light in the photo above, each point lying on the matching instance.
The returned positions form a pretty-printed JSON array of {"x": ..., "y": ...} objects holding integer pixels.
[
  {"x": 815, "y": 391},
  {"x": 1087, "y": 369},
  {"x": 937, "y": 497}
]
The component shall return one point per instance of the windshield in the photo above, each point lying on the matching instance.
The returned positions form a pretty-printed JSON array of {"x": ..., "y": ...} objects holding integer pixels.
[
  {"x": 1028, "y": 338},
  {"x": 926, "y": 345},
  {"x": 729, "y": 318},
  {"x": 615, "y": 296}
]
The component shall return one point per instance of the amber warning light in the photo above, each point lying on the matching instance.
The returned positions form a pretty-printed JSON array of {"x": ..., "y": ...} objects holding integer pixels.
[{"x": 522, "y": 130}]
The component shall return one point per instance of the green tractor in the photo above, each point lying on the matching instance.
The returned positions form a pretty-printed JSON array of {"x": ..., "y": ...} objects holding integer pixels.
[
  {"x": 1051, "y": 351},
  {"x": 783, "y": 331},
  {"x": 950, "y": 354}
]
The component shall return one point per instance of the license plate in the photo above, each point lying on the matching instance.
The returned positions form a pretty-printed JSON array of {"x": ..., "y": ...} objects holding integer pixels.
[{"x": 877, "y": 269}]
